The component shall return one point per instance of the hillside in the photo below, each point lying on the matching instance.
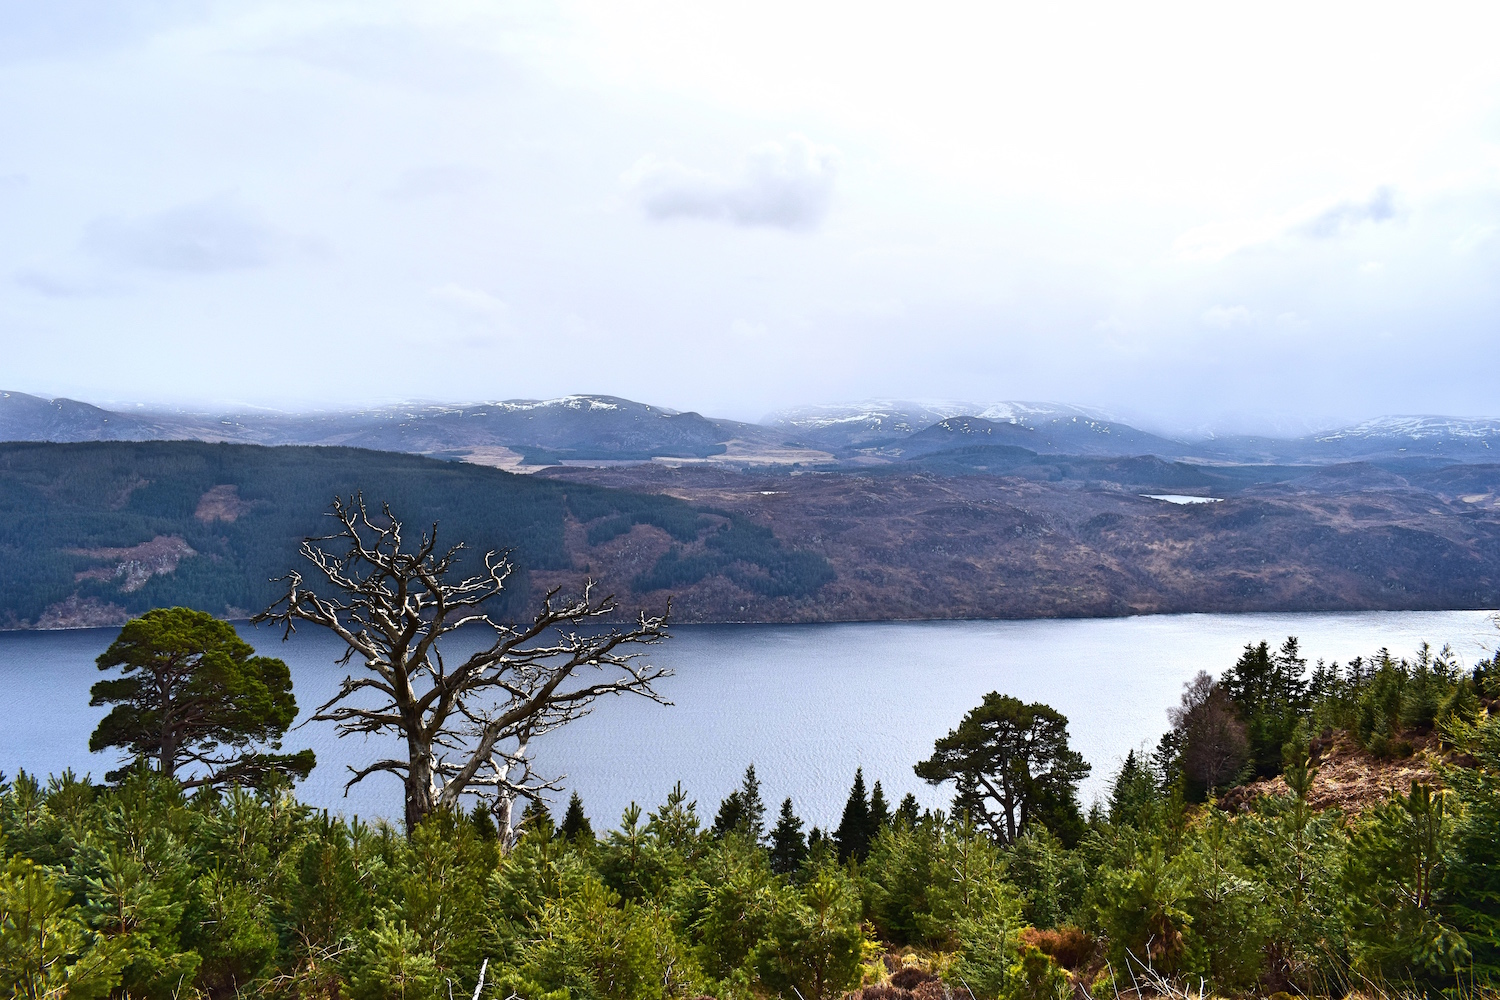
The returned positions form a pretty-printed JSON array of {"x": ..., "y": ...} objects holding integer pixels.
[
  {"x": 1044, "y": 536},
  {"x": 90, "y": 533}
]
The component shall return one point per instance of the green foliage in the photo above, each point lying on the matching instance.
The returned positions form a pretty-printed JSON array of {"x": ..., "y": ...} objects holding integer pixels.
[
  {"x": 924, "y": 880},
  {"x": 1271, "y": 693},
  {"x": 788, "y": 846},
  {"x": 815, "y": 941},
  {"x": 1014, "y": 755},
  {"x": 743, "y": 812},
  {"x": 46, "y": 948},
  {"x": 193, "y": 695},
  {"x": 1473, "y": 878},
  {"x": 575, "y": 825},
  {"x": 138, "y": 889},
  {"x": 856, "y": 828},
  {"x": 62, "y": 505},
  {"x": 1395, "y": 876},
  {"x": 748, "y": 554},
  {"x": 1133, "y": 797}
]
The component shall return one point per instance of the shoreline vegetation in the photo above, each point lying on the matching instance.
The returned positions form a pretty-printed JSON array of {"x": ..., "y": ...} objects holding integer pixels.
[{"x": 1243, "y": 857}]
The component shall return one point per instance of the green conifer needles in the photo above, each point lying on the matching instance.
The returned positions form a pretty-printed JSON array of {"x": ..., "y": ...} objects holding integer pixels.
[{"x": 194, "y": 700}]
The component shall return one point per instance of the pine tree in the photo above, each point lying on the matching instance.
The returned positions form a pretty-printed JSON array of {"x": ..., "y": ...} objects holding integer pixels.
[
  {"x": 908, "y": 813},
  {"x": 484, "y": 823},
  {"x": 575, "y": 824},
  {"x": 788, "y": 847},
  {"x": 968, "y": 800},
  {"x": 754, "y": 808},
  {"x": 880, "y": 810},
  {"x": 538, "y": 819},
  {"x": 742, "y": 810},
  {"x": 731, "y": 814},
  {"x": 853, "y": 834},
  {"x": 1133, "y": 794},
  {"x": 194, "y": 700}
]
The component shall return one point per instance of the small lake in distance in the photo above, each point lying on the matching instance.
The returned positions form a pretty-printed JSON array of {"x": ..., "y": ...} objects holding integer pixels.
[{"x": 806, "y": 703}]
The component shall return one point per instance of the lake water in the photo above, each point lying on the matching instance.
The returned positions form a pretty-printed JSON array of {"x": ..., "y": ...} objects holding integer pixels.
[{"x": 805, "y": 703}]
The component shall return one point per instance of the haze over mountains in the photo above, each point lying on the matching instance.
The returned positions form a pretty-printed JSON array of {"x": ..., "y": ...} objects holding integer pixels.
[{"x": 596, "y": 429}]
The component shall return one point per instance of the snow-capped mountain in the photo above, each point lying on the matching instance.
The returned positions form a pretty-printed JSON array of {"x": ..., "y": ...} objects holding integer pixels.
[{"x": 1417, "y": 428}]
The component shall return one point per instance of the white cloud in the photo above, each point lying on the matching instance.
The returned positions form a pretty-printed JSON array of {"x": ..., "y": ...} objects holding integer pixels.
[
  {"x": 1339, "y": 219},
  {"x": 788, "y": 185},
  {"x": 204, "y": 237},
  {"x": 1226, "y": 317},
  {"x": 1218, "y": 240}
]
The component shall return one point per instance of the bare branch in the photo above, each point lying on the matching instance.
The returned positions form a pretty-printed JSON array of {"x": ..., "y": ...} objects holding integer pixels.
[{"x": 392, "y": 602}]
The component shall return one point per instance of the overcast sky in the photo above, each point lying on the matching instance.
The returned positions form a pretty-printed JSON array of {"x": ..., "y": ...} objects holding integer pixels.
[{"x": 1267, "y": 216}]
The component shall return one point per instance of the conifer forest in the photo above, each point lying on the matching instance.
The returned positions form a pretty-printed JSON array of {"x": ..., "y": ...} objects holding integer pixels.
[{"x": 1226, "y": 863}]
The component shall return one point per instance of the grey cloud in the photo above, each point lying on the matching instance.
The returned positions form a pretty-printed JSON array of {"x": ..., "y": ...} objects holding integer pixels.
[
  {"x": 208, "y": 236},
  {"x": 788, "y": 185},
  {"x": 1344, "y": 216}
]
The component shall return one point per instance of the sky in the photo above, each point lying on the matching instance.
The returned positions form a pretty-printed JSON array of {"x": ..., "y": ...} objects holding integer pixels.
[{"x": 1269, "y": 217}]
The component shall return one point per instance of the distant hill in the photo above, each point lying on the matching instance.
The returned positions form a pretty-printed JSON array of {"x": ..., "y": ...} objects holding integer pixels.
[
  {"x": 528, "y": 434},
  {"x": 91, "y": 533}
]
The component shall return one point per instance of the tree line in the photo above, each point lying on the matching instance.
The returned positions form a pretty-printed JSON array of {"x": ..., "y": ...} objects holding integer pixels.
[{"x": 195, "y": 871}]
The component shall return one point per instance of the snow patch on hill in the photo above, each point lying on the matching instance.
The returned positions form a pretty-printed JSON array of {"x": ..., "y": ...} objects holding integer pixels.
[{"x": 1417, "y": 428}]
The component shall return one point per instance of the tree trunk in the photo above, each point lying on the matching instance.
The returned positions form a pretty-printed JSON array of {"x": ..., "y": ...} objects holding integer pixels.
[{"x": 421, "y": 790}]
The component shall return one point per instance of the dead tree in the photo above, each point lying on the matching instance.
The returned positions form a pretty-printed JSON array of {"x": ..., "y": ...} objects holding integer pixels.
[{"x": 467, "y": 726}]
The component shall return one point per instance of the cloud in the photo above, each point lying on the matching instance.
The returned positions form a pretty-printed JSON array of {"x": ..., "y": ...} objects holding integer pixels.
[
  {"x": 1218, "y": 240},
  {"x": 788, "y": 185},
  {"x": 1340, "y": 218},
  {"x": 1226, "y": 317},
  {"x": 201, "y": 238}
]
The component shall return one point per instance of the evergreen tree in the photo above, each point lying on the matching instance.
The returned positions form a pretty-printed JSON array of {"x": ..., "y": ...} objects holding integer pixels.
[
  {"x": 484, "y": 823},
  {"x": 731, "y": 815},
  {"x": 193, "y": 697},
  {"x": 1018, "y": 756},
  {"x": 880, "y": 810},
  {"x": 1133, "y": 794},
  {"x": 853, "y": 834},
  {"x": 908, "y": 813},
  {"x": 538, "y": 819},
  {"x": 788, "y": 847},
  {"x": 575, "y": 824},
  {"x": 742, "y": 810},
  {"x": 1270, "y": 695},
  {"x": 754, "y": 809}
]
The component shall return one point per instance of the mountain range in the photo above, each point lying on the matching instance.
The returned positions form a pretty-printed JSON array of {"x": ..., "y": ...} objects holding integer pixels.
[
  {"x": 876, "y": 510},
  {"x": 595, "y": 430}
]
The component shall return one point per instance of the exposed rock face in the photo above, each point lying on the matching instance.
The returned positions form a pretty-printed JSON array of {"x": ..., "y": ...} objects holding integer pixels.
[
  {"x": 132, "y": 567},
  {"x": 82, "y": 612}
]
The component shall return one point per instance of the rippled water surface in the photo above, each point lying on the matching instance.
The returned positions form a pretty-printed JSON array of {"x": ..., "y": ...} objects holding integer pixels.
[{"x": 806, "y": 703}]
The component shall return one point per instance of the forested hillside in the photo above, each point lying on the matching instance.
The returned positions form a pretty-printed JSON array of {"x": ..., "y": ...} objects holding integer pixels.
[{"x": 90, "y": 533}]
